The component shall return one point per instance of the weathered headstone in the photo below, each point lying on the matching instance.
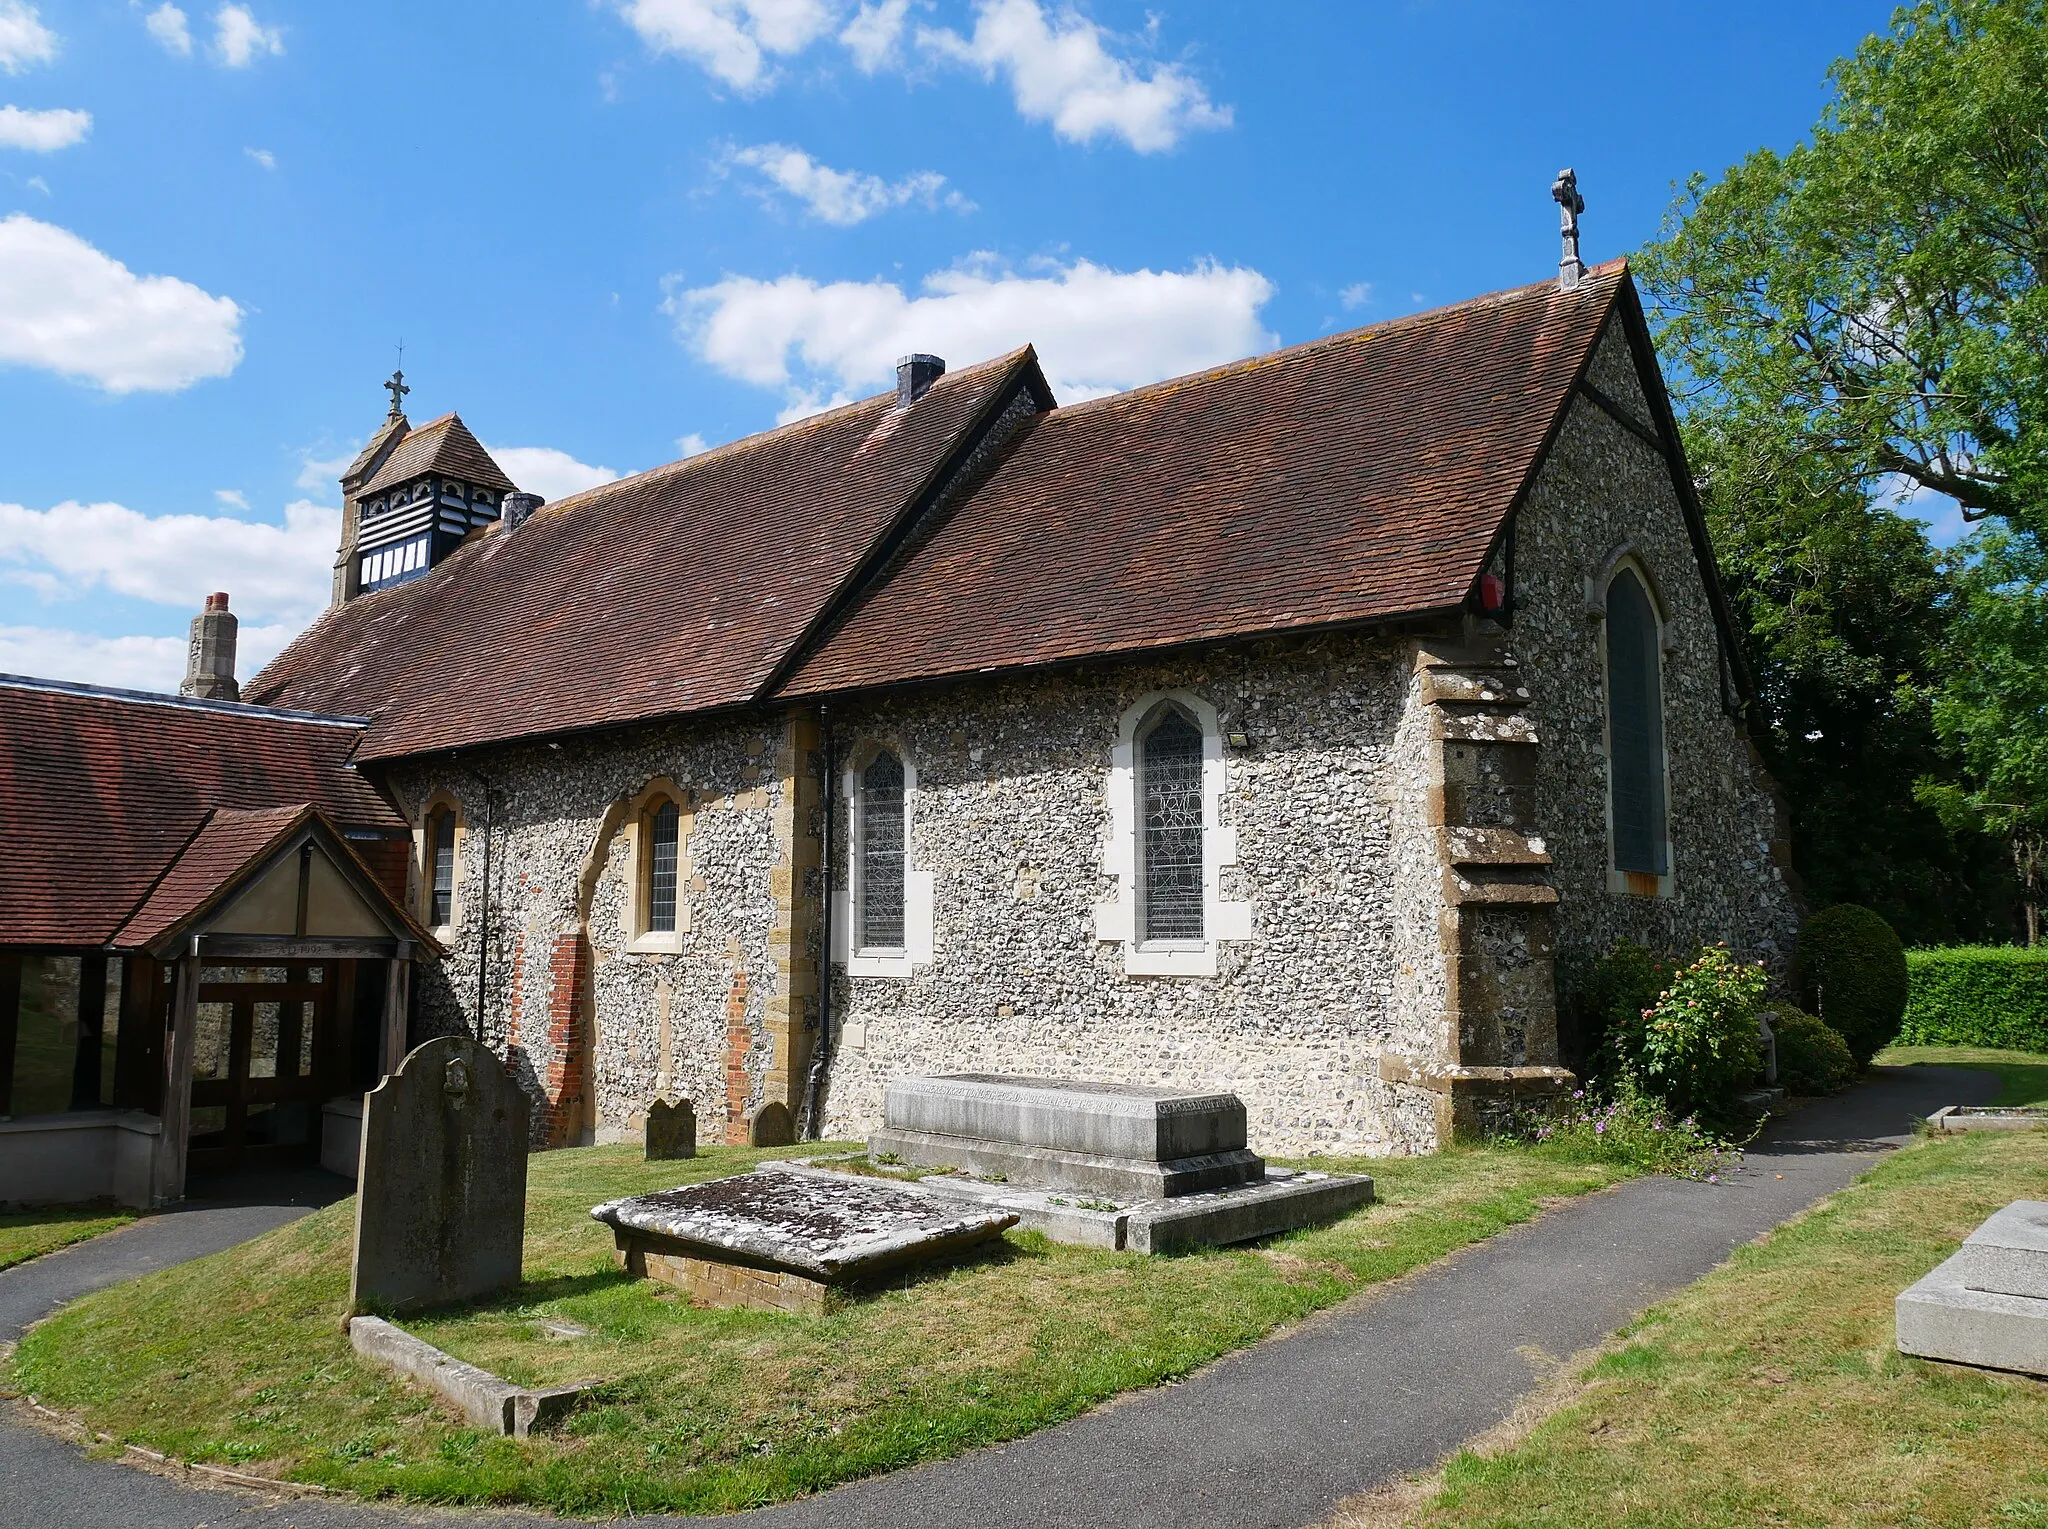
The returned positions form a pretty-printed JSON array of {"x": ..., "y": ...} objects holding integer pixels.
[
  {"x": 671, "y": 1130},
  {"x": 441, "y": 1192},
  {"x": 770, "y": 1126}
]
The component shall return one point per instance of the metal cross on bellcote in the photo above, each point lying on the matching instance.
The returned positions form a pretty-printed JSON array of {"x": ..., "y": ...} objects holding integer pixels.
[{"x": 1565, "y": 192}]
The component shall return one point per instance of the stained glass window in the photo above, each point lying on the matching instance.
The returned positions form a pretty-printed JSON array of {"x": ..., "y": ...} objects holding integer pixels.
[
  {"x": 441, "y": 854},
  {"x": 1635, "y": 728},
  {"x": 1170, "y": 849},
  {"x": 662, "y": 833},
  {"x": 882, "y": 854}
]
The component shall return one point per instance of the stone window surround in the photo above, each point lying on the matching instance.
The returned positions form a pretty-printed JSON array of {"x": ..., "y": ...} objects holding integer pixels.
[
  {"x": 1626, "y": 555},
  {"x": 1119, "y": 921},
  {"x": 918, "y": 885},
  {"x": 639, "y": 821},
  {"x": 423, "y": 864}
]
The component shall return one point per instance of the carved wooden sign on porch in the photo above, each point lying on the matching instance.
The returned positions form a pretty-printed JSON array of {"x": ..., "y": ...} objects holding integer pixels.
[{"x": 441, "y": 1191}]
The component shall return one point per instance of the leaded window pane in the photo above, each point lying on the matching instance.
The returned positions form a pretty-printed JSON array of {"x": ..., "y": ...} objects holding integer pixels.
[
  {"x": 882, "y": 854},
  {"x": 441, "y": 908},
  {"x": 1170, "y": 787},
  {"x": 1635, "y": 728},
  {"x": 663, "y": 834}
]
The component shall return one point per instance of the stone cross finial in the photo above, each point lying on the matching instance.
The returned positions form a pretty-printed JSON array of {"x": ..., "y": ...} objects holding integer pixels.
[
  {"x": 1565, "y": 192},
  {"x": 397, "y": 389}
]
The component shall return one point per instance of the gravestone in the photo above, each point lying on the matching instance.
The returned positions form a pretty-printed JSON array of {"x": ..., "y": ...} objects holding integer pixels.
[
  {"x": 671, "y": 1130},
  {"x": 770, "y": 1126},
  {"x": 441, "y": 1192},
  {"x": 1987, "y": 1303}
]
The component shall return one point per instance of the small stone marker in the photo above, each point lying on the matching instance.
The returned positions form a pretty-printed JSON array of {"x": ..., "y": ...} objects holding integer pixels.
[
  {"x": 783, "y": 1239},
  {"x": 671, "y": 1131},
  {"x": 1987, "y": 1304},
  {"x": 769, "y": 1126},
  {"x": 441, "y": 1196},
  {"x": 1987, "y": 1117}
]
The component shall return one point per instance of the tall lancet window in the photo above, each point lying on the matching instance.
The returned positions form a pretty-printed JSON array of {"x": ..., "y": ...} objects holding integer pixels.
[
  {"x": 1170, "y": 833},
  {"x": 663, "y": 831},
  {"x": 441, "y": 867},
  {"x": 1635, "y": 728},
  {"x": 882, "y": 845}
]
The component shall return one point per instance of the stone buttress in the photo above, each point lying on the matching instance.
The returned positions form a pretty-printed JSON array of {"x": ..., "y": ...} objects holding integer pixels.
[{"x": 1497, "y": 1038}]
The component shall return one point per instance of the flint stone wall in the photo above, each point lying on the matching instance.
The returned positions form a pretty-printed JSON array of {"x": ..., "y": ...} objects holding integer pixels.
[
  {"x": 653, "y": 1024},
  {"x": 1012, "y": 817},
  {"x": 1604, "y": 486}
]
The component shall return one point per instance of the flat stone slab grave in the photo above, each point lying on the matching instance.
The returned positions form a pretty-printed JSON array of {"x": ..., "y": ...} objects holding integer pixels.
[
  {"x": 1987, "y": 1117},
  {"x": 1986, "y": 1304},
  {"x": 1282, "y": 1201},
  {"x": 789, "y": 1241},
  {"x": 1118, "y": 1141},
  {"x": 487, "y": 1401}
]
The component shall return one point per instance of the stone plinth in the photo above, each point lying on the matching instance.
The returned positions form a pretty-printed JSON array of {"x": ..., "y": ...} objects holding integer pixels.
[
  {"x": 488, "y": 1402},
  {"x": 671, "y": 1131},
  {"x": 1986, "y": 1305},
  {"x": 789, "y": 1241},
  {"x": 1987, "y": 1117},
  {"x": 1121, "y": 1141},
  {"x": 441, "y": 1191}
]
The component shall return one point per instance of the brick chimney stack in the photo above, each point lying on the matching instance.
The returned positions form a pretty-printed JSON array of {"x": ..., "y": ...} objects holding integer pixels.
[{"x": 210, "y": 657}]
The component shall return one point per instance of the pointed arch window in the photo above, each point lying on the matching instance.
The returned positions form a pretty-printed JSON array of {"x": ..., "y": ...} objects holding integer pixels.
[
  {"x": 883, "y": 842},
  {"x": 441, "y": 826},
  {"x": 664, "y": 839},
  {"x": 1635, "y": 729},
  {"x": 1170, "y": 828}
]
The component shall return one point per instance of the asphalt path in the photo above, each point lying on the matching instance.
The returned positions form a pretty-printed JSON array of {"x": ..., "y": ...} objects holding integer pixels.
[{"x": 1273, "y": 1436}]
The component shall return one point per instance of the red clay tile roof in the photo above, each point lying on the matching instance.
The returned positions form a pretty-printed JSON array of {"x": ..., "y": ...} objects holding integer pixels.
[
  {"x": 680, "y": 589},
  {"x": 442, "y": 446},
  {"x": 1355, "y": 478},
  {"x": 100, "y": 791},
  {"x": 227, "y": 844}
]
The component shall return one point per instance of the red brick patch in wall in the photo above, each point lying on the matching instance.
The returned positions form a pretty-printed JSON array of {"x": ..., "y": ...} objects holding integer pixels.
[
  {"x": 568, "y": 1077},
  {"x": 739, "y": 1040}
]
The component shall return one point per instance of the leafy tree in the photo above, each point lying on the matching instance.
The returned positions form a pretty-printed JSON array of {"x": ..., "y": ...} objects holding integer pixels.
[
  {"x": 1873, "y": 301},
  {"x": 1863, "y": 312},
  {"x": 1992, "y": 706}
]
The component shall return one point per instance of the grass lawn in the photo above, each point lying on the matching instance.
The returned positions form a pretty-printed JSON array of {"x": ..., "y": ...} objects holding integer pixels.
[
  {"x": 241, "y": 1358},
  {"x": 31, "y": 1233},
  {"x": 1770, "y": 1392},
  {"x": 2022, "y": 1074}
]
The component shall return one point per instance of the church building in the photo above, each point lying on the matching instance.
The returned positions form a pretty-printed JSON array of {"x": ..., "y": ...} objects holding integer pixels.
[
  {"x": 1289, "y": 728},
  {"x": 1285, "y": 728}
]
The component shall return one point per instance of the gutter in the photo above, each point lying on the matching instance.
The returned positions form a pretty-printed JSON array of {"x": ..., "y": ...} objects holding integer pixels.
[{"x": 821, "y": 1054}]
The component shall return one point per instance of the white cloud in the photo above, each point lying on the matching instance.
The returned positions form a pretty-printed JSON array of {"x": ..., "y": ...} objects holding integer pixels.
[
  {"x": 273, "y": 572},
  {"x": 1097, "y": 330},
  {"x": 692, "y": 445},
  {"x": 70, "y": 309},
  {"x": 234, "y": 498},
  {"x": 550, "y": 473},
  {"x": 731, "y": 39},
  {"x": 127, "y": 663},
  {"x": 262, "y": 157},
  {"x": 24, "y": 40},
  {"x": 843, "y": 197},
  {"x": 42, "y": 132},
  {"x": 167, "y": 24},
  {"x": 1355, "y": 296},
  {"x": 240, "y": 39},
  {"x": 875, "y": 33},
  {"x": 1064, "y": 73},
  {"x": 322, "y": 475}
]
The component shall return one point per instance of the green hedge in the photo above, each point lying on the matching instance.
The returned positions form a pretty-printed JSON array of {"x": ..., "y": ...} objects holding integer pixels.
[{"x": 1978, "y": 995}]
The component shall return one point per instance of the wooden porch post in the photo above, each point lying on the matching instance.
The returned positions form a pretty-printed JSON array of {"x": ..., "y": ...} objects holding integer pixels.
[
  {"x": 395, "y": 984},
  {"x": 169, "y": 1185}
]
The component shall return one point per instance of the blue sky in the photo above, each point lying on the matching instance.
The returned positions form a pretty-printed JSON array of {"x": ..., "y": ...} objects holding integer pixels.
[{"x": 610, "y": 232}]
